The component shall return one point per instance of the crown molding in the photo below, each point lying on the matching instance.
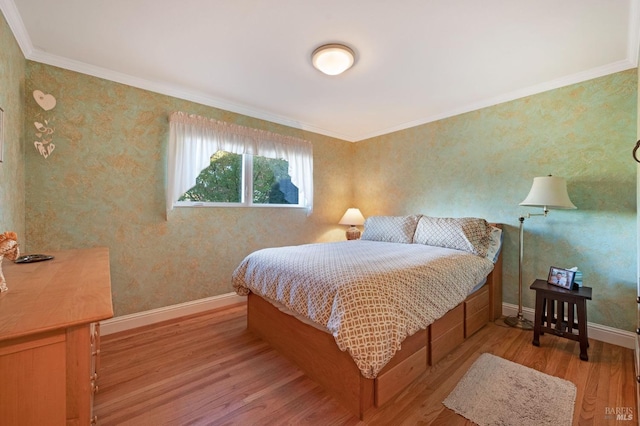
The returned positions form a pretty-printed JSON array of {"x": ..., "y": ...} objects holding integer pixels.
[
  {"x": 173, "y": 90},
  {"x": 580, "y": 77}
]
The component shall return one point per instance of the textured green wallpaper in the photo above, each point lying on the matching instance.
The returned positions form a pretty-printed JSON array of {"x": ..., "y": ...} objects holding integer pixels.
[
  {"x": 12, "y": 74},
  {"x": 104, "y": 185},
  {"x": 483, "y": 163}
]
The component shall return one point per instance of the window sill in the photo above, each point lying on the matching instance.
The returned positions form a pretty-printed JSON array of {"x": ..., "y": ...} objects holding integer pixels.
[{"x": 184, "y": 204}]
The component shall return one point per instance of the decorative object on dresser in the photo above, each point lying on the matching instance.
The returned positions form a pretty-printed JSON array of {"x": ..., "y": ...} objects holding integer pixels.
[
  {"x": 9, "y": 248},
  {"x": 496, "y": 391},
  {"x": 30, "y": 258},
  {"x": 352, "y": 218},
  {"x": 49, "y": 338},
  {"x": 548, "y": 192}
]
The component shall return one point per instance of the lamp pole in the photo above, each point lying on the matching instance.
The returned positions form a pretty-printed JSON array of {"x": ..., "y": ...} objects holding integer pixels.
[{"x": 519, "y": 320}]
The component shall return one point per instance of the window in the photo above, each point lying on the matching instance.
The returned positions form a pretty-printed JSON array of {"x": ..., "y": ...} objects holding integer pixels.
[
  {"x": 272, "y": 182},
  {"x": 223, "y": 164},
  {"x": 222, "y": 181}
]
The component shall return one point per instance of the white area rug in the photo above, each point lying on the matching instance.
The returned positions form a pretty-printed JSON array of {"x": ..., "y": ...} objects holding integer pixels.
[{"x": 499, "y": 392}]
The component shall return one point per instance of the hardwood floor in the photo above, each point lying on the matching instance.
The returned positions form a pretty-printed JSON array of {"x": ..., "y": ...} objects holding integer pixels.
[{"x": 208, "y": 370}]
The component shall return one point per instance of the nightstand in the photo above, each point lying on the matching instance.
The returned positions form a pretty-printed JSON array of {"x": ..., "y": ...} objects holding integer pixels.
[{"x": 550, "y": 313}]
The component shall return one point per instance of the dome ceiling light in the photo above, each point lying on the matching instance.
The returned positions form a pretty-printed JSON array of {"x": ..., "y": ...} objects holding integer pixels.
[{"x": 333, "y": 59}]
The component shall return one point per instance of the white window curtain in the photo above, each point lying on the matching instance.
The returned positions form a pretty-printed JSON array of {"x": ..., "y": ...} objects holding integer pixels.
[{"x": 193, "y": 139}]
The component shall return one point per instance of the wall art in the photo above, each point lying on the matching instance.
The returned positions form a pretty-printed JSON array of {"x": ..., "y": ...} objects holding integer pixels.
[
  {"x": 44, "y": 127},
  {"x": 1, "y": 133}
]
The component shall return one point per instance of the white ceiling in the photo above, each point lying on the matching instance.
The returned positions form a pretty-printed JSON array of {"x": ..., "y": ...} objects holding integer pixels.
[{"x": 417, "y": 60}]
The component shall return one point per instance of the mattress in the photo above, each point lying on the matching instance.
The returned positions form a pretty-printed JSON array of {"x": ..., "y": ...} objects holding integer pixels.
[{"x": 284, "y": 309}]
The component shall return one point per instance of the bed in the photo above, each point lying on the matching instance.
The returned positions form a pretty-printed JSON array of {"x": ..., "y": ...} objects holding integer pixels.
[{"x": 365, "y": 317}]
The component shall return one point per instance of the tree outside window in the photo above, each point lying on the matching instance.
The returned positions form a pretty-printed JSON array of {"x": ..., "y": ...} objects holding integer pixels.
[{"x": 221, "y": 181}]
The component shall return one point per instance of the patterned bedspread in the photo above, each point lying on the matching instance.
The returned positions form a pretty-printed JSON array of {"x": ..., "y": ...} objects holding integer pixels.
[{"x": 369, "y": 295}]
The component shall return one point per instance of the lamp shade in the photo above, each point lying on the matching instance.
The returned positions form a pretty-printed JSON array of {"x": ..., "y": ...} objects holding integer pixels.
[
  {"x": 549, "y": 192},
  {"x": 352, "y": 217}
]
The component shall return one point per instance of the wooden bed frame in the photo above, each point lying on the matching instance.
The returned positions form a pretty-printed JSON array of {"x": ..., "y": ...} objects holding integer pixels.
[{"x": 317, "y": 354}]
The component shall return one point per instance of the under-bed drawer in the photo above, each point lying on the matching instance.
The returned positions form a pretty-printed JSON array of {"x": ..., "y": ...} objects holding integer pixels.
[
  {"x": 399, "y": 377},
  {"x": 476, "y": 310},
  {"x": 446, "y": 333},
  {"x": 407, "y": 364}
]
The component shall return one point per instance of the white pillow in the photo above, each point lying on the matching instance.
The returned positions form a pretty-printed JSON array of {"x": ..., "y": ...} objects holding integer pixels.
[
  {"x": 390, "y": 229},
  {"x": 469, "y": 234},
  {"x": 495, "y": 244}
]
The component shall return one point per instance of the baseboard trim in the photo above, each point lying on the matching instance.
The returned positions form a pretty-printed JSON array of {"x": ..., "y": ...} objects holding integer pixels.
[
  {"x": 600, "y": 332},
  {"x": 140, "y": 319},
  {"x": 626, "y": 339}
]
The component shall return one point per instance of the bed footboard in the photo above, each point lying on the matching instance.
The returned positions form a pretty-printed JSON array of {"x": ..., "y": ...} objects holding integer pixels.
[{"x": 314, "y": 352}]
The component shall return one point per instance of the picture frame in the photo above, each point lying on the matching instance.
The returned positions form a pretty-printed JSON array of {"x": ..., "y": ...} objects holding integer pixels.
[
  {"x": 1, "y": 134},
  {"x": 561, "y": 277}
]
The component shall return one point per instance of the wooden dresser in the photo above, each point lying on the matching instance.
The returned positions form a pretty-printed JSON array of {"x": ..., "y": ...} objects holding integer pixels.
[{"x": 49, "y": 337}]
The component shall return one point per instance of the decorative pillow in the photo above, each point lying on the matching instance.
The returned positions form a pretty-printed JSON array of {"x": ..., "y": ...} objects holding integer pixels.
[
  {"x": 390, "y": 229},
  {"x": 468, "y": 233},
  {"x": 495, "y": 244}
]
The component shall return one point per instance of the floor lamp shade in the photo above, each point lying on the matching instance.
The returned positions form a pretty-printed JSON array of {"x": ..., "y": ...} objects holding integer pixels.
[
  {"x": 353, "y": 218},
  {"x": 548, "y": 192}
]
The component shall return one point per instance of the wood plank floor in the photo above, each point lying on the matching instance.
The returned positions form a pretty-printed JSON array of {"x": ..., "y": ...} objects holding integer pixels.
[{"x": 209, "y": 370}]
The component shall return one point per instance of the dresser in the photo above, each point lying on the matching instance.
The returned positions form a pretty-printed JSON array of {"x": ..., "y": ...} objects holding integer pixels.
[{"x": 49, "y": 337}]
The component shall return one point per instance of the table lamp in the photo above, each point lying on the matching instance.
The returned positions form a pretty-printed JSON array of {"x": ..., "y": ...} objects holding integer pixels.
[
  {"x": 352, "y": 217},
  {"x": 548, "y": 192}
]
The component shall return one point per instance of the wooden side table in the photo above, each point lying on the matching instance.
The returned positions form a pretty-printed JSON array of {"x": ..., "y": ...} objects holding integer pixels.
[{"x": 550, "y": 313}]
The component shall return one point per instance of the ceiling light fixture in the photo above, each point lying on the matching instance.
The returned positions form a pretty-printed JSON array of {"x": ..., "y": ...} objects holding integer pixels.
[{"x": 333, "y": 59}]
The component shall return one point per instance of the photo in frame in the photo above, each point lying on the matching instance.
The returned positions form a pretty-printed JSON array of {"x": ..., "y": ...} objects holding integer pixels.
[{"x": 561, "y": 277}]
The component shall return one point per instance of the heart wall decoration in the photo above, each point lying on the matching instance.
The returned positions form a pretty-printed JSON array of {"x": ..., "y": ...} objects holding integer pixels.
[
  {"x": 44, "y": 129},
  {"x": 44, "y": 150},
  {"x": 47, "y": 102}
]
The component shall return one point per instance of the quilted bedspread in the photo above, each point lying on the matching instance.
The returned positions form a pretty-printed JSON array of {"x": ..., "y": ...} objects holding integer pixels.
[{"x": 369, "y": 295}]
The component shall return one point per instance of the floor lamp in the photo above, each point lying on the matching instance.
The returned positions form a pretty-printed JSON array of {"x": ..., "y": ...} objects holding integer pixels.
[{"x": 548, "y": 192}]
